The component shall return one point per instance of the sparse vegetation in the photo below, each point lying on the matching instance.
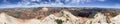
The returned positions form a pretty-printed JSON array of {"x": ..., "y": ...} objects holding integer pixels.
[
  {"x": 59, "y": 21},
  {"x": 89, "y": 12}
]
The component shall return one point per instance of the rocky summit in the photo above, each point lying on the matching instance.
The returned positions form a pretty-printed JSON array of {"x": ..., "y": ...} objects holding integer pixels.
[{"x": 59, "y": 16}]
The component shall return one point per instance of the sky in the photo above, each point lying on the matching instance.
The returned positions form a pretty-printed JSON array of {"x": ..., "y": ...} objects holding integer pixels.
[{"x": 60, "y": 3}]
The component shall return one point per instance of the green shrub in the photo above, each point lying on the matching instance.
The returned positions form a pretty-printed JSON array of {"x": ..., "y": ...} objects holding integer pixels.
[{"x": 59, "y": 21}]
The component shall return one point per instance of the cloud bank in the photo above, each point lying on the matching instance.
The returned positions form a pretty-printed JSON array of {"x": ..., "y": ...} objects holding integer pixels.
[{"x": 48, "y": 3}]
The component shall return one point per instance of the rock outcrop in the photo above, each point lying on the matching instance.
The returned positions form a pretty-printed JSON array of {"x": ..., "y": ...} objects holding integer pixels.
[
  {"x": 63, "y": 17},
  {"x": 6, "y": 19}
]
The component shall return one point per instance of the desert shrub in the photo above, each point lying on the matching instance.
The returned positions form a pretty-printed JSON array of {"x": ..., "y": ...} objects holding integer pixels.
[{"x": 59, "y": 21}]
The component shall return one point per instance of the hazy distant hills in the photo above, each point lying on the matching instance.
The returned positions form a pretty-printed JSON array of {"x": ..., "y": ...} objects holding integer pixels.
[{"x": 83, "y": 11}]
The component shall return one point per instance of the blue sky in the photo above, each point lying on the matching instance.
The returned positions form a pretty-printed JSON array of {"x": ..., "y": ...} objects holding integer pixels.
[{"x": 60, "y": 3}]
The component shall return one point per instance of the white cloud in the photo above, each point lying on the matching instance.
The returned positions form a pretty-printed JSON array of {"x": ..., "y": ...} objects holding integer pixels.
[
  {"x": 36, "y": 0},
  {"x": 81, "y": 1},
  {"x": 4, "y": 0},
  {"x": 116, "y": 5},
  {"x": 102, "y": 0},
  {"x": 33, "y": 0},
  {"x": 67, "y": 0},
  {"x": 57, "y": 3}
]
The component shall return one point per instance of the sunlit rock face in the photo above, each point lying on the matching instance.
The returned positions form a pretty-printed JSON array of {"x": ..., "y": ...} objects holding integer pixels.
[
  {"x": 99, "y": 18},
  {"x": 49, "y": 20},
  {"x": 68, "y": 18},
  {"x": 116, "y": 19},
  {"x": 63, "y": 17},
  {"x": 6, "y": 19}
]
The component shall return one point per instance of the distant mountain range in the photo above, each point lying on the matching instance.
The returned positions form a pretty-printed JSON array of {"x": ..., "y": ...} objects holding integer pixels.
[{"x": 82, "y": 11}]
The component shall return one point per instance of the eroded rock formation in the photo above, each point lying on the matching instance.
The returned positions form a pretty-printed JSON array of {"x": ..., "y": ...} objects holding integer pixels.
[{"x": 63, "y": 17}]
